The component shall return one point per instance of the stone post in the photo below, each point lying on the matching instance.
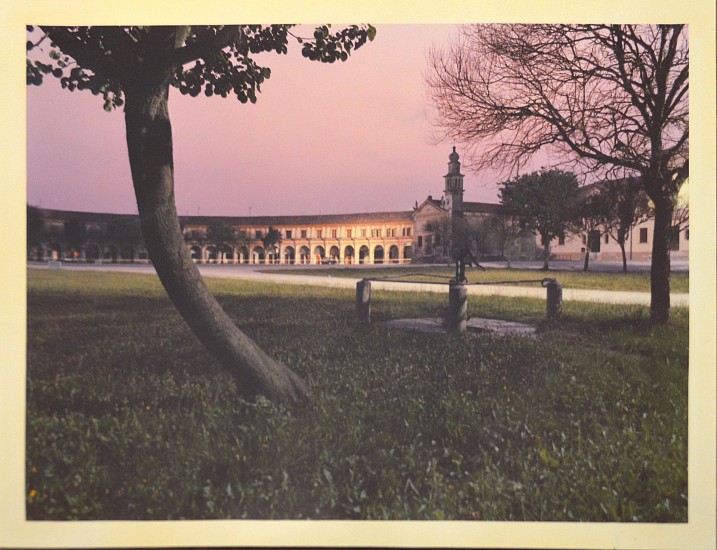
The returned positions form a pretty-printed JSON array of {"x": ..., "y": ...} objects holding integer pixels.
[
  {"x": 457, "y": 307},
  {"x": 555, "y": 300},
  {"x": 363, "y": 300}
]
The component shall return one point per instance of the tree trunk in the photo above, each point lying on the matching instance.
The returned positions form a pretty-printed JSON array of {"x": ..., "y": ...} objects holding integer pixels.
[
  {"x": 546, "y": 254},
  {"x": 660, "y": 270},
  {"x": 149, "y": 143},
  {"x": 624, "y": 256},
  {"x": 587, "y": 259}
]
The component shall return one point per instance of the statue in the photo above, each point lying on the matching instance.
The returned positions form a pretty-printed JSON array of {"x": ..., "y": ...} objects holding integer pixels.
[{"x": 466, "y": 256}]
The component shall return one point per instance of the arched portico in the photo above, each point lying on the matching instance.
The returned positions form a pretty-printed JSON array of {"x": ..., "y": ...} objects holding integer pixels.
[
  {"x": 289, "y": 255},
  {"x": 319, "y": 254},
  {"x": 335, "y": 254},
  {"x": 304, "y": 255},
  {"x": 349, "y": 255},
  {"x": 258, "y": 255},
  {"x": 364, "y": 255},
  {"x": 393, "y": 254},
  {"x": 243, "y": 255},
  {"x": 378, "y": 254}
]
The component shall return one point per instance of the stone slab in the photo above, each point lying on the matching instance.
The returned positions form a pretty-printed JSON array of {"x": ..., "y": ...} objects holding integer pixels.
[{"x": 437, "y": 325}]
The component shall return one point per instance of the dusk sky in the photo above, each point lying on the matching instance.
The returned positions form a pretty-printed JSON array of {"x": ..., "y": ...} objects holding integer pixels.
[{"x": 321, "y": 139}]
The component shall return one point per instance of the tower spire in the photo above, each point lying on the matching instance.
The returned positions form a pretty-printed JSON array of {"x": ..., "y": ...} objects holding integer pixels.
[{"x": 453, "y": 190}]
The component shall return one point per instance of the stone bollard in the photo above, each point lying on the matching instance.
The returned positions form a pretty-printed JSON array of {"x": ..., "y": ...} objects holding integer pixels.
[
  {"x": 457, "y": 307},
  {"x": 555, "y": 300},
  {"x": 363, "y": 300}
]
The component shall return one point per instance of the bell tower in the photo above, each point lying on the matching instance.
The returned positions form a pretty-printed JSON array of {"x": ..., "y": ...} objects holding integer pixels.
[{"x": 453, "y": 191}]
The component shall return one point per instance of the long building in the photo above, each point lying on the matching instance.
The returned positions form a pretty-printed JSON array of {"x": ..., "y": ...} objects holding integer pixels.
[
  {"x": 420, "y": 234},
  {"x": 431, "y": 232}
]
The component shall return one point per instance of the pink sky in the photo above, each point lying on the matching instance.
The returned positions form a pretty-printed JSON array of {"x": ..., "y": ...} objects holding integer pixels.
[{"x": 336, "y": 138}]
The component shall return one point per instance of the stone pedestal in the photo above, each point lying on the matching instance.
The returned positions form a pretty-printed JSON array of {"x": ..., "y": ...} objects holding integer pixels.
[
  {"x": 363, "y": 300},
  {"x": 555, "y": 300},
  {"x": 457, "y": 307}
]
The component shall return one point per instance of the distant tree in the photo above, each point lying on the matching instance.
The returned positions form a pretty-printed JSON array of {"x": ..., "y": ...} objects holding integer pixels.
[
  {"x": 592, "y": 214},
  {"x": 511, "y": 229},
  {"x": 35, "y": 228},
  {"x": 629, "y": 206},
  {"x": 223, "y": 236},
  {"x": 134, "y": 67},
  {"x": 126, "y": 230},
  {"x": 614, "y": 98},
  {"x": 544, "y": 201},
  {"x": 272, "y": 239}
]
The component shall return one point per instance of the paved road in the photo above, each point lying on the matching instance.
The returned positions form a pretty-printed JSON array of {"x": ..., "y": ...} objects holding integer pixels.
[{"x": 279, "y": 275}]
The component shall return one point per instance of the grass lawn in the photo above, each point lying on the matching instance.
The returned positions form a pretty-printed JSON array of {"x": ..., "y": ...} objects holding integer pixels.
[
  {"x": 631, "y": 281},
  {"x": 129, "y": 418}
]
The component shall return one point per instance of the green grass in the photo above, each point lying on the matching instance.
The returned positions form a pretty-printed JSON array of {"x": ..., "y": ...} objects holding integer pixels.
[
  {"x": 129, "y": 418},
  {"x": 640, "y": 282}
]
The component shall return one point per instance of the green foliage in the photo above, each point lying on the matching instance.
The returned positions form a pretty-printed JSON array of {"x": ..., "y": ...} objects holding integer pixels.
[
  {"x": 543, "y": 200},
  {"x": 272, "y": 238},
  {"x": 35, "y": 226},
  {"x": 129, "y": 418},
  {"x": 214, "y": 59},
  {"x": 221, "y": 234}
]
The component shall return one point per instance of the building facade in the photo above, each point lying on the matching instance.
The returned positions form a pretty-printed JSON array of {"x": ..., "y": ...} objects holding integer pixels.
[{"x": 434, "y": 231}]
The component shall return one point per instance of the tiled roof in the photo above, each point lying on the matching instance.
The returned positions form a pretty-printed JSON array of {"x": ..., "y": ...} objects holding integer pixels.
[{"x": 305, "y": 220}]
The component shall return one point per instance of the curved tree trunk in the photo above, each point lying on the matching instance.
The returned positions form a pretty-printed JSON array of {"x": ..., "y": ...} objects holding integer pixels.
[
  {"x": 660, "y": 270},
  {"x": 149, "y": 143},
  {"x": 587, "y": 258}
]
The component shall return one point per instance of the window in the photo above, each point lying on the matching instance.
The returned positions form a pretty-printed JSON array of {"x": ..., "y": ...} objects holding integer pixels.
[
  {"x": 607, "y": 238},
  {"x": 375, "y": 232},
  {"x": 406, "y": 232},
  {"x": 363, "y": 232},
  {"x": 334, "y": 233},
  {"x": 303, "y": 233},
  {"x": 289, "y": 234},
  {"x": 687, "y": 234},
  {"x": 259, "y": 234},
  {"x": 348, "y": 233},
  {"x": 319, "y": 233},
  {"x": 420, "y": 241},
  {"x": 585, "y": 240},
  {"x": 561, "y": 238},
  {"x": 643, "y": 234}
]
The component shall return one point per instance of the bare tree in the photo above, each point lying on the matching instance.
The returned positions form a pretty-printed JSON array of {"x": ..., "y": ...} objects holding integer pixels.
[
  {"x": 628, "y": 206},
  {"x": 610, "y": 98},
  {"x": 511, "y": 229}
]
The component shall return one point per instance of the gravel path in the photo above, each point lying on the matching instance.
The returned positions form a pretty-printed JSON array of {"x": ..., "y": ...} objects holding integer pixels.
[{"x": 251, "y": 273}]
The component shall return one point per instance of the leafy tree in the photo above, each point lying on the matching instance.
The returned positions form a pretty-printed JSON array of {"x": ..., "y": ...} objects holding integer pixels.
[
  {"x": 222, "y": 235},
  {"x": 134, "y": 67},
  {"x": 125, "y": 230},
  {"x": 272, "y": 239},
  {"x": 544, "y": 201},
  {"x": 614, "y": 98},
  {"x": 629, "y": 206},
  {"x": 35, "y": 228}
]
